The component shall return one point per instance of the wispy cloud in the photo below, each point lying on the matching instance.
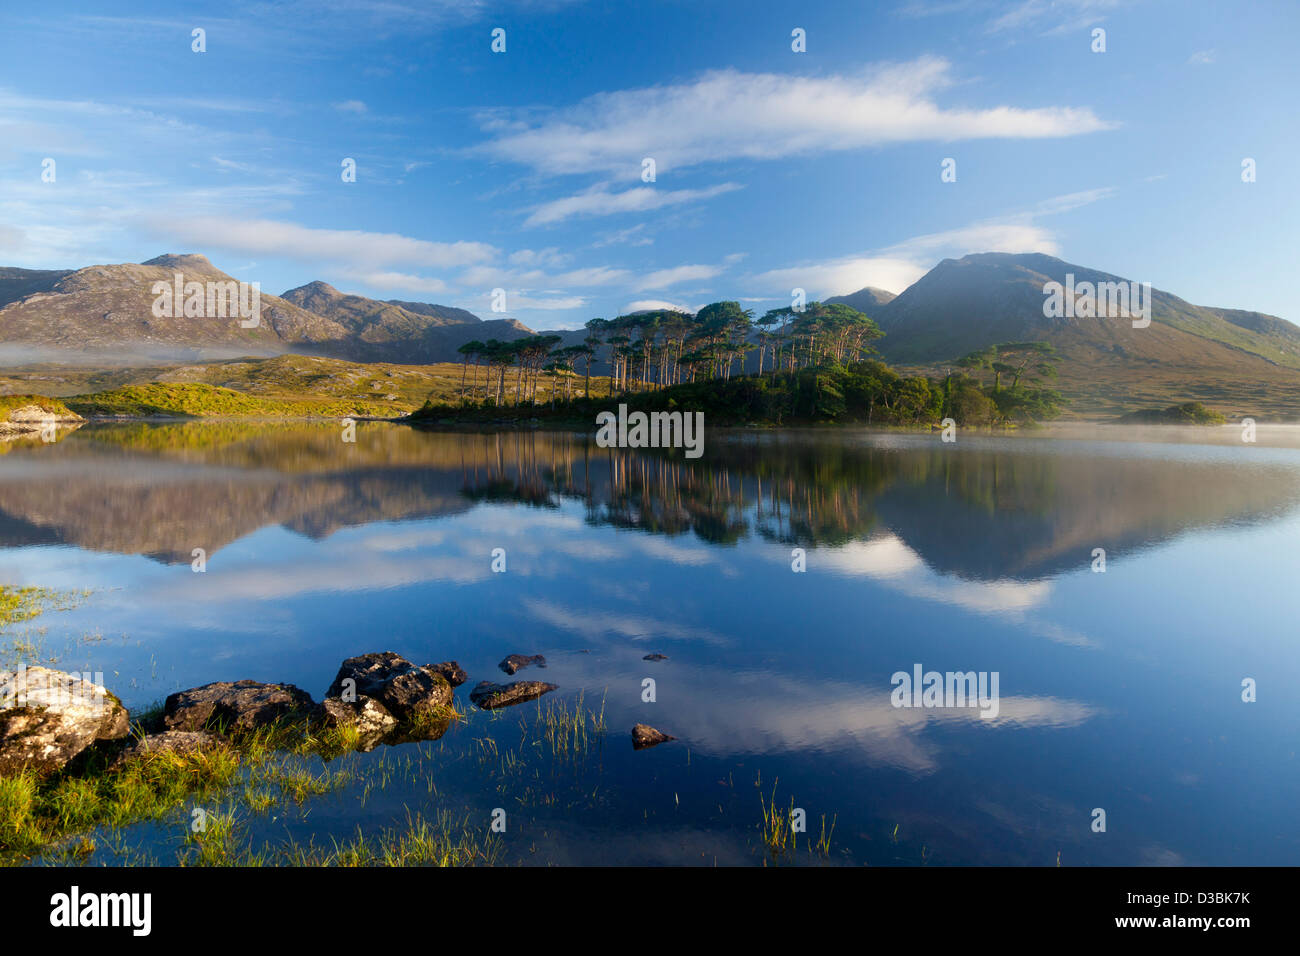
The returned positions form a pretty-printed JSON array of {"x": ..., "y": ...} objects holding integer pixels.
[
  {"x": 727, "y": 115},
  {"x": 663, "y": 278},
  {"x": 269, "y": 237},
  {"x": 600, "y": 201}
]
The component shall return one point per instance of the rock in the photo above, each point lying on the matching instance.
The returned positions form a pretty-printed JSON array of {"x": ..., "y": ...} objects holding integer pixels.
[
  {"x": 490, "y": 696},
  {"x": 242, "y": 705},
  {"x": 174, "y": 741},
  {"x": 402, "y": 687},
  {"x": 47, "y": 717},
  {"x": 368, "y": 715},
  {"x": 451, "y": 671},
  {"x": 518, "y": 661},
  {"x": 655, "y": 657},
  {"x": 643, "y": 735}
]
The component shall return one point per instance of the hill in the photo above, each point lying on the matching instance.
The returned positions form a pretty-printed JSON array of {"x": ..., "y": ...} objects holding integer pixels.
[
  {"x": 1243, "y": 362},
  {"x": 400, "y": 331},
  {"x": 107, "y": 311},
  {"x": 110, "y": 309},
  {"x": 868, "y": 301}
]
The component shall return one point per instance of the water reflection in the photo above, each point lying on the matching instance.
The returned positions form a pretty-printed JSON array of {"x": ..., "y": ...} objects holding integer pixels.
[
  {"x": 970, "y": 557},
  {"x": 1016, "y": 509}
]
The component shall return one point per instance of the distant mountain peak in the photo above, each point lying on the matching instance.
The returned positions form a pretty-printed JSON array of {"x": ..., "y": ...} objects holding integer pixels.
[
  {"x": 866, "y": 300},
  {"x": 187, "y": 260}
]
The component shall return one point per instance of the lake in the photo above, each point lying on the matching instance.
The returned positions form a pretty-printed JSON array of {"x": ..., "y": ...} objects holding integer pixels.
[{"x": 1119, "y": 690}]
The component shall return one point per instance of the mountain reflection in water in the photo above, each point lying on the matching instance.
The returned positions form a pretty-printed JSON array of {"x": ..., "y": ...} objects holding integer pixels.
[{"x": 1118, "y": 690}]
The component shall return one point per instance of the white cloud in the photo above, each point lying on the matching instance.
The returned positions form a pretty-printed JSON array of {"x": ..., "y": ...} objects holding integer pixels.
[
  {"x": 494, "y": 276},
  {"x": 350, "y": 106},
  {"x": 649, "y": 305},
  {"x": 632, "y": 236},
  {"x": 401, "y": 281},
  {"x": 1057, "y": 16},
  {"x": 522, "y": 301},
  {"x": 663, "y": 278},
  {"x": 550, "y": 257},
  {"x": 841, "y": 276},
  {"x": 290, "y": 240},
  {"x": 727, "y": 114},
  {"x": 599, "y": 201},
  {"x": 1202, "y": 57}
]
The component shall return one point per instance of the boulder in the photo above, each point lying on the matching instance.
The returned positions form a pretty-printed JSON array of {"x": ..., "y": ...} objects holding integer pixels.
[
  {"x": 242, "y": 705},
  {"x": 47, "y": 717},
  {"x": 368, "y": 715},
  {"x": 518, "y": 661},
  {"x": 403, "y": 688},
  {"x": 452, "y": 671},
  {"x": 643, "y": 735},
  {"x": 490, "y": 696}
]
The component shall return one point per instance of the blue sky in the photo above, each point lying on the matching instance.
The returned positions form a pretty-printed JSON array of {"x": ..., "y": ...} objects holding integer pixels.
[{"x": 522, "y": 170}]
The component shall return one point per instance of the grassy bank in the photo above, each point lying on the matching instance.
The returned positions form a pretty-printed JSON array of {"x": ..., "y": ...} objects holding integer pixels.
[{"x": 194, "y": 400}]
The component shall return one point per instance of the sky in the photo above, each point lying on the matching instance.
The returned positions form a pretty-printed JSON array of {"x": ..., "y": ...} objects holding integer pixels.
[{"x": 526, "y": 169}]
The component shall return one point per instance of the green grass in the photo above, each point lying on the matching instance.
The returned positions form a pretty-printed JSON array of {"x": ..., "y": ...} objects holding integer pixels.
[
  {"x": 23, "y": 604},
  {"x": 265, "y": 767},
  {"x": 779, "y": 838},
  {"x": 197, "y": 400},
  {"x": 444, "y": 841},
  {"x": 10, "y": 402}
]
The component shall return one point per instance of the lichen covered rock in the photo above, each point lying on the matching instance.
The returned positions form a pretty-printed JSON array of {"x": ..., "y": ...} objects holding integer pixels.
[
  {"x": 241, "y": 705},
  {"x": 405, "y": 689},
  {"x": 47, "y": 717}
]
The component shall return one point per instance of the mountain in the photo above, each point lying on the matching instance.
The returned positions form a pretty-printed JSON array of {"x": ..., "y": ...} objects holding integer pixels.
[
  {"x": 965, "y": 304},
  {"x": 1219, "y": 356},
  {"x": 1236, "y": 361},
  {"x": 868, "y": 301},
  {"x": 445, "y": 314},
  {"x": 411, "y": 332},
  {"x": 106, "y": 311},
  {"x": 109, "y": 309}
]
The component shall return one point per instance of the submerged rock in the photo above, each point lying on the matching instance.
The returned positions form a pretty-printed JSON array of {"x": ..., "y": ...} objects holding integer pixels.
[
  {"x": 655, "y": 657},
  {"x": 490, "y": 696},
  {"x": 643, "y": 735},
  {"x": 47, "y": 717},
  {"x": 171, "y": 741},
  {"x": 517, "y": 662},
  {"x": 452, "y": 671},
  {"x": 242, "y": 705},
  {"x": 403, "y": 688}
]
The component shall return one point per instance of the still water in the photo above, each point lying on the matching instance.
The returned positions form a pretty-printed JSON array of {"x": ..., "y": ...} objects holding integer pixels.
[{"x": 1119, "y": 691}]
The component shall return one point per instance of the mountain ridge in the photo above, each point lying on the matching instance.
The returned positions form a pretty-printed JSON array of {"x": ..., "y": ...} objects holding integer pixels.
[{"x": 1212, "y": 354}]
